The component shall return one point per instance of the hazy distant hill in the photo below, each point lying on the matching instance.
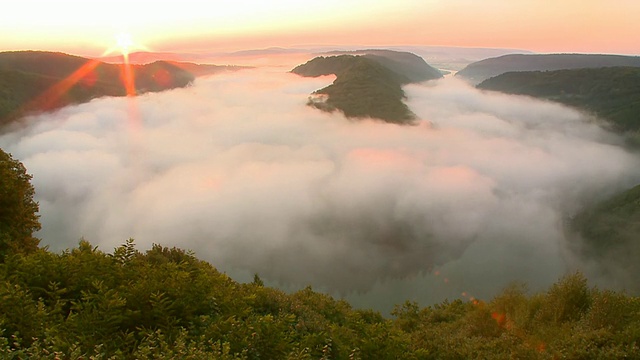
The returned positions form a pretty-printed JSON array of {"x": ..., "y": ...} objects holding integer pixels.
[
  {"x": 33, "y": 81},
  {"x": 145, "y": 57},
  {"x": 205, "y": 69},
  {"x": 185, "y": 61},
  {"x": 366, "y": 86},
  {"x": 611, "y": 93},
  {"x": 484, "y": 69},
  {"x": 440, "y": 57}
]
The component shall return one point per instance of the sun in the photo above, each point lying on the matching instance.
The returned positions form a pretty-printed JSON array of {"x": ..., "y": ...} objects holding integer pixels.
[{"x": 124, "y": 43}]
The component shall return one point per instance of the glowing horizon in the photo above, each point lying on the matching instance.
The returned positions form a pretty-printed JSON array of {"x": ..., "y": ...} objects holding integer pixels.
[{"x": 537, "y": 25}]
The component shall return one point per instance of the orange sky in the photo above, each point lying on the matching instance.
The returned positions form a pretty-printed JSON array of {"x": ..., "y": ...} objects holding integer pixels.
[{"x": 90, "y": 27}]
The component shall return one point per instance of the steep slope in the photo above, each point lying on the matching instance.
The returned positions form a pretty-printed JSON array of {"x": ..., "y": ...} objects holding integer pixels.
[
  {"x": 611, "y": 93},
  {"x": 364, "y": 86},
  {"x": 485, "y": 69}
]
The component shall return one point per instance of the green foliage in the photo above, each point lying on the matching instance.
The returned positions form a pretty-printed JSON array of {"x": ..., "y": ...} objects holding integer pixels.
[
  {"x": 568, "y": 321},
  {"x": 165, "y": 303},
  {"x": 18, "y": 210},
  {"x": 566, "y": 301}
]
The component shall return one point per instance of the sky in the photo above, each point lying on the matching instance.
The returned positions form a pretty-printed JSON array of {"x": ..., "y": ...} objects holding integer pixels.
[{"x": 91, "y": 27}]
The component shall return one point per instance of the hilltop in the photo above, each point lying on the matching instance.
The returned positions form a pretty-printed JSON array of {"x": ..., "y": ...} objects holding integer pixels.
[
  {"x": 368, "y": 85},
  {"x": 485, "y": 69}
]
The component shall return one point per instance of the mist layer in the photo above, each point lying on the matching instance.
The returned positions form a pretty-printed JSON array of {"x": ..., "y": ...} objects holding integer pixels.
[{"x": 239, "y": 170}]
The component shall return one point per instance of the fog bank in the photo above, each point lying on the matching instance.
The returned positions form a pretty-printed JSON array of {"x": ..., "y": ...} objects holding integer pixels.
[{"x": 239, "y": 170}]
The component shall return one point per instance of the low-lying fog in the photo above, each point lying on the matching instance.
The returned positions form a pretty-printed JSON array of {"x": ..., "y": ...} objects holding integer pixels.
[{"x": 239, "y": 170}]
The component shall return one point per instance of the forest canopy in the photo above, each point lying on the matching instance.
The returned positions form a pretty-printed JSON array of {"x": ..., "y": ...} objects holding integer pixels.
[{"x": 18, "y": 210}]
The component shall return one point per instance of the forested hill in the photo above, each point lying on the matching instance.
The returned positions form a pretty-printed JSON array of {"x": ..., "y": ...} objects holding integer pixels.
[
  {"x": 364, "y": 87},
  {"x": 611, "y": 93},
  {"x": 35, "y": 81},
  {"x": 485, "y": 69}
]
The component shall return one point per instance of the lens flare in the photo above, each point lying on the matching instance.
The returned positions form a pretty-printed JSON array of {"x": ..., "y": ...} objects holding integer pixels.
[
  {"x": 50, "y": 98},
  {"x": 124, "y": 44}
]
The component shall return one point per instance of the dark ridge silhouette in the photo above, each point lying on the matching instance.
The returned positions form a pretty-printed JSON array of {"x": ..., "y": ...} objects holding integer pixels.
[{"x": 485, "y": 69}]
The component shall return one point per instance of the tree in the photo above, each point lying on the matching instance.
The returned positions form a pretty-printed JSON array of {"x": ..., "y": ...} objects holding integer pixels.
[{"x": 18, "y": 210}]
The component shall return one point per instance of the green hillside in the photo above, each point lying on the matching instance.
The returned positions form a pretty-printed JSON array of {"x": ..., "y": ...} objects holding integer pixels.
[
  {"x": 611, "y": 93},
  {"x": 481, "y": 70},
  {"x": 34, "y": 81},
  {"x": 363, "y": 88}
]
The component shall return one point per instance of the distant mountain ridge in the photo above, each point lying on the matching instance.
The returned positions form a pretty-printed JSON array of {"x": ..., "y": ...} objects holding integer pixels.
[
  {"x": 36, "y": 81},
  {"x": 488, "y": 68},
  {"x": 146, "y": 57},
  {"x": 368, "y": 85}
]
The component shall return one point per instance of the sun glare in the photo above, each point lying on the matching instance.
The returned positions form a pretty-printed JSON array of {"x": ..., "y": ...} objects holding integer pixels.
[{"x": 124, "y": 43}]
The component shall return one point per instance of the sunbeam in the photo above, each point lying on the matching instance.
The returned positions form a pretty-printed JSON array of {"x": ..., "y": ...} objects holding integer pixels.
[{"x": 50, "y": 98}]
